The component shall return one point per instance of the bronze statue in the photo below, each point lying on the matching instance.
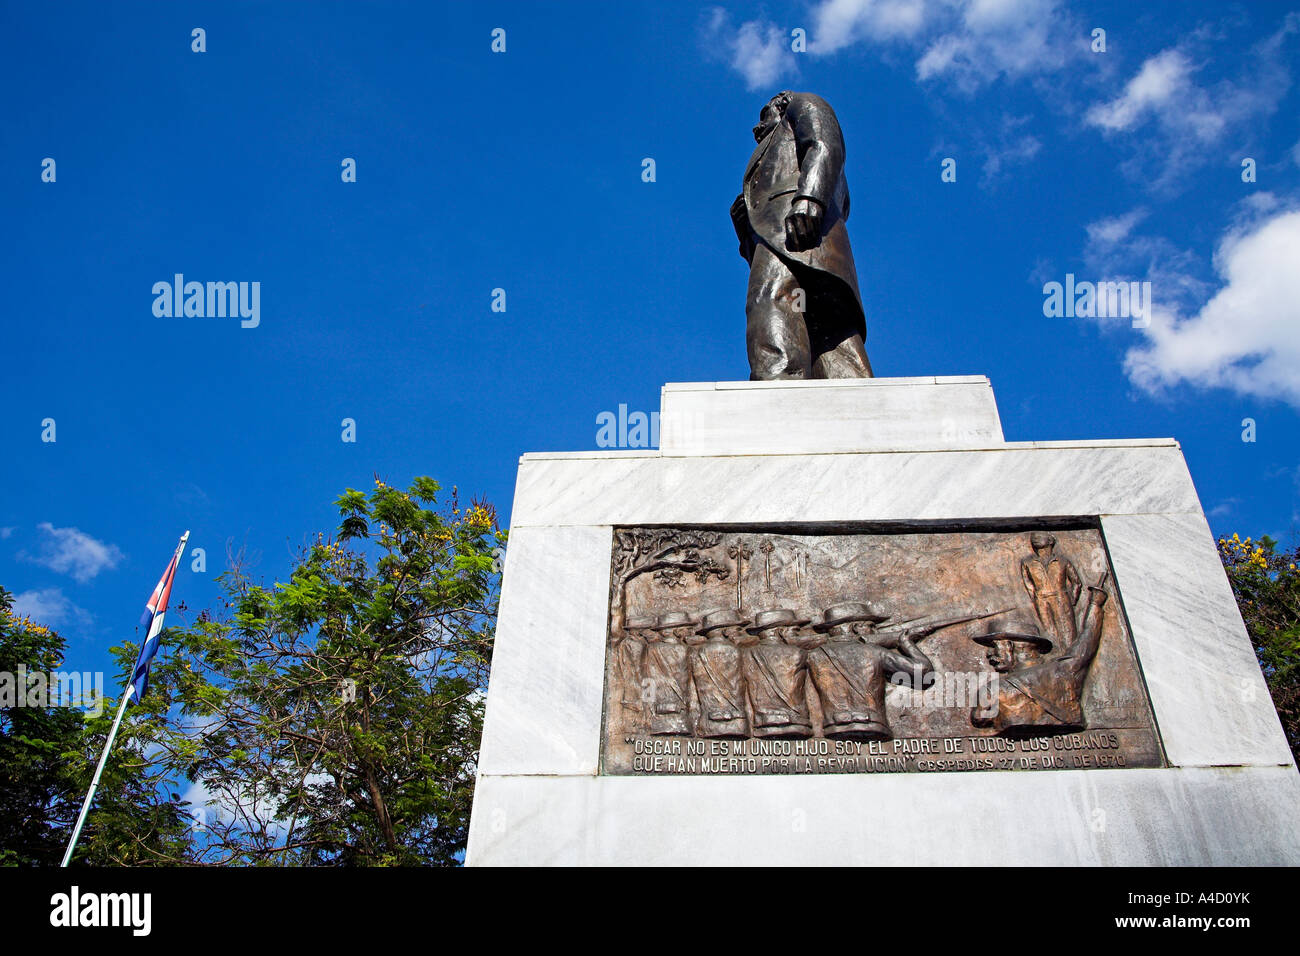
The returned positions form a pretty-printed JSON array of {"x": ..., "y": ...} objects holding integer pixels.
[
  {"x": 1036, "y": 694},
  {"x": 716, "y": 670},
  {"x": 803, "y": 313},
  {"x": 851, "y": 668},
  {"x": 776, "y": 676},
  {"x": 1054, "y": 586}
]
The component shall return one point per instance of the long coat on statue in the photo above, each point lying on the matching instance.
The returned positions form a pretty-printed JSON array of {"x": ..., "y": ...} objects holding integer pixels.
[{"x": 803, "y": 156}]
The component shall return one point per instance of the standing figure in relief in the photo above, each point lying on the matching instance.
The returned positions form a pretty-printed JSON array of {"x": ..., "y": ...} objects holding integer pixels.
[
  {"x": 776, "y": 676},
  {"x": 667, "y": 675},
  {"x": 716, "y": 670},
  {"x": 1053, "y": 584}
]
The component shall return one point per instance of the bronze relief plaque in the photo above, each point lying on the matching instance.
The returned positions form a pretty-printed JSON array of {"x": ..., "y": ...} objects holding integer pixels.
[{"x": 748, "y": 651}]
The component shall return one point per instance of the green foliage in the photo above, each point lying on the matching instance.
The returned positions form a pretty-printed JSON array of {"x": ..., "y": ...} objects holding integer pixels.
[
  {"x": 330, "y": 719},
  {"x": 35, "y": 786},
  {"x": 1267, "y": 587},
  {"x": 47, "y": 757},
  {"x": 334, "y": 718}
]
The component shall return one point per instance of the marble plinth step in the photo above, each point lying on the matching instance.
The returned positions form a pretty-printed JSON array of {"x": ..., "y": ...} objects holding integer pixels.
[{"x": 828, "y": 416}]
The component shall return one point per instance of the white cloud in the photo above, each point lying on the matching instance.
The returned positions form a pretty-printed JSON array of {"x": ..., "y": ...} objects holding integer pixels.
[
  {"x": 1012, "y": 151},
  {"x": 1162, "y": 86},
  {"x": 71, "y": 551},
  {"x": 1115, "y": 229},
  {"x": 1173, "y": 123},
  {"x": 1225, "y": 507},
  {"x": 986, "y": 39},
  {"x": 6, "y": 533},
  {"x": 759, "y": 51},
  {"x": 1114, "y": 252},
  {"x": 762, "y": 54},
  {"x": 967, "y": 43},
  {"x": 841, "y": 23},
  {"x": 50, "y": 608},
  {"x": 1246, "y": 337},
  {"x": 191, "y": 495}
]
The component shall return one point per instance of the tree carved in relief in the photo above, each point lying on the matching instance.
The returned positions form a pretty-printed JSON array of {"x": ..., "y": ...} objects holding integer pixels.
[{"x": 669, "y": 554}]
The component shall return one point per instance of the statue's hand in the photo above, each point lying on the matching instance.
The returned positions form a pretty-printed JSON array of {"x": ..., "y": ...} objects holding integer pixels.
[
  {"x": 740, "y": 220},
  {"x": 888, "y": 640},
  {"x": 739, "y": 215},
  {"x": 803, "y": 225}
]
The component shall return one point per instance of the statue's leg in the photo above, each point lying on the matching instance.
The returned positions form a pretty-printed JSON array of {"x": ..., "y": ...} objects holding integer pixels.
[
  {"x": 846, "y": 360},
  {"x": 836, "y": 343},
  {"x": 775, "y": 333},
  {"x": 1063, "y": 611}
]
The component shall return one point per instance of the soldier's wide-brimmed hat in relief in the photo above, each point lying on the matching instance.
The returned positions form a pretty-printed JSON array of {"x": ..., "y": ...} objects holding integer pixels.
[
  {"x": 850, "y": 612},
  {"x": 1041, "y": 539},
  {"x": 776, "y": 617},
  {"x": 673, "y": 619},
  {"x": 725, "y": 618},
  {"x": 1016, "y": 629}
]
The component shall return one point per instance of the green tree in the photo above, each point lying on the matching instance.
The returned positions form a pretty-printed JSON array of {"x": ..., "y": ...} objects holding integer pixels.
[
  {"x": 36, "y": 789},
  {"x": 48, "y": 751},
  {"x": 334, "y": 718},
  {"x": 1267, "y": 587}
]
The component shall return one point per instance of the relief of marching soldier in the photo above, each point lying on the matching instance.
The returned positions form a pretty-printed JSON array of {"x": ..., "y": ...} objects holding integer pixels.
[
  {"x": 859, "y": 657},
  {"x": 851, "y": 668},
  {"x": 776, "y": 675},
  {"x": 666, "y": 674},
  {"x": 716, "y": 671}
]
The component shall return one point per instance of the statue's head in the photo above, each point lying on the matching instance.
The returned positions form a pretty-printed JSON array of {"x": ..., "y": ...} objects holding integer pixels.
[
  {"x": 850, "y": 620},
  {"x": 734, "y": 633},
  {"x": 724, "y": 625},
  {"x": 775, "y": 625},
  {"x": 1008, "y": 655},
  {"x": 1042, "y": 543},
  {"x": 674, "y": 626},
  {"x": 1001, "y": 655},
  {"x": 842, "y": 632},
  {"x": 771, "y": 114},
  {"x": 1013, "y": 644}
]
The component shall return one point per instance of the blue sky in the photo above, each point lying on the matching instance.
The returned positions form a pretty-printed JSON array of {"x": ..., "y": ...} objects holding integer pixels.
[{"x": 522, "y": 170}]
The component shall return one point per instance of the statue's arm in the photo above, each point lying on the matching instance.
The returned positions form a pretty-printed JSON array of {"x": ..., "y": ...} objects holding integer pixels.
[
  {"x": 1073, "y": 581},
  {"x": 1079, "y": 655},
  {"x": 910, "y": 659},
  {"x": 740, "y": 221},
  {"x": 1028, "y": 579},
  {"x": 820, "y": 146}
]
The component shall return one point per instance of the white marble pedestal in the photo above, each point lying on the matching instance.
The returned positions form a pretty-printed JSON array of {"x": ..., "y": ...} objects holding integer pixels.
[{"x": 878, "y": 450}]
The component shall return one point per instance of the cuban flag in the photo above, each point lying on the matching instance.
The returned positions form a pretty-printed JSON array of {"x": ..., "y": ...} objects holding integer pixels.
[{"x": 152, "y": 623}]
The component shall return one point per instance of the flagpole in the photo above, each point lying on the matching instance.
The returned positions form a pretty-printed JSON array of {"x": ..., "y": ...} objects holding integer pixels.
[
  {"x": 117, "y": 723},
  {"x": 94, "y": 784}
]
